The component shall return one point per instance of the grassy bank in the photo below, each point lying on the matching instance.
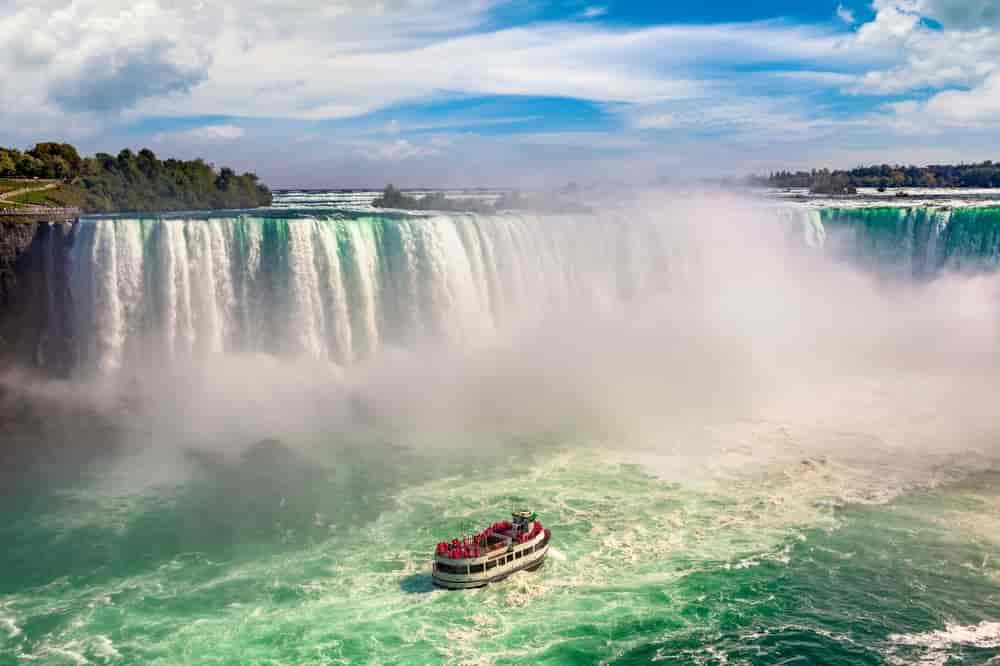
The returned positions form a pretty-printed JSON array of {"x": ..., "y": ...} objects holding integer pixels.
[{"x": 63, "y": 196}]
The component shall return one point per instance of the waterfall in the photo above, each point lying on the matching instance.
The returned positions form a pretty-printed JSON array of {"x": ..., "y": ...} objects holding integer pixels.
[
  {"x": 338, "y": 287},
  {"x": 913, "y": 242},
  {"x": 341, "y": 286}
]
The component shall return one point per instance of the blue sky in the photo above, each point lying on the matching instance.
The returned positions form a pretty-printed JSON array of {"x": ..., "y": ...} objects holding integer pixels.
[
  {"x": 356, "y": 93},
  {"x": 680, "y": 11}
]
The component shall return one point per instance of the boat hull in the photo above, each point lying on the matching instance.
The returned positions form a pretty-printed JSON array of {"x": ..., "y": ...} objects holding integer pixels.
[{"x": 468, "y": 581}]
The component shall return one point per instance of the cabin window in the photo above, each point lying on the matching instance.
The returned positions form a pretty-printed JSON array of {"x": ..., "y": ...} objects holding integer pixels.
[
  {"x": 491, "y": 565},
  {"x": 519, "y": 554},
  {"x": 450, "y": 569},
  {"x": 476, "y": 568}
]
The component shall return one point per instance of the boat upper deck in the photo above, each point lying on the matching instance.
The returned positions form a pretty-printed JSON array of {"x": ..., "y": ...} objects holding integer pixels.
[
  {"x": 498, "y": 539},
  {"x": 500, "y": 562}
]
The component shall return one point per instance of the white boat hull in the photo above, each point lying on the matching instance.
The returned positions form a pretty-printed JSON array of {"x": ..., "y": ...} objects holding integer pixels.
[{"x": 472, "y": 573}]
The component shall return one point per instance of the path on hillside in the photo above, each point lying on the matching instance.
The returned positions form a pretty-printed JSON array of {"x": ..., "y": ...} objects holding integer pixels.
[{"x": 27, "y": 190}]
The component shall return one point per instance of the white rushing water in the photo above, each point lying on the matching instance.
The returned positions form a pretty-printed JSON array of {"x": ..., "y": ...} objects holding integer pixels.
[
  {"x": 320, "y": 279},
  {"x": 341, "y": 288}
]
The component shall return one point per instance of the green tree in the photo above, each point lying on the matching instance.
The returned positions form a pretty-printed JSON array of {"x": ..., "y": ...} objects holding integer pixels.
[
  {"x": 8, "y": 165},
  {"x": 132, "y": 182},
  {"x": 59, "y": 160},
  {"x": 30, "y": 167}
]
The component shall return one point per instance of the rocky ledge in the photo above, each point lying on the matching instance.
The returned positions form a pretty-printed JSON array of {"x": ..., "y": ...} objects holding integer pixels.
[
  {"x": 15, "y": 238},
  {"x": 33, "y": 250}
]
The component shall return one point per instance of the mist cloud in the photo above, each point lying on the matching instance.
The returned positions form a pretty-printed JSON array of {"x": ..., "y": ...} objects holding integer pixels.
[{"x": 750, "y": 333}]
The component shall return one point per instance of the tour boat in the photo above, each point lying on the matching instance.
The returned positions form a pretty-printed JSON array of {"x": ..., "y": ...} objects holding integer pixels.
[{"x": 495, "y": 553}]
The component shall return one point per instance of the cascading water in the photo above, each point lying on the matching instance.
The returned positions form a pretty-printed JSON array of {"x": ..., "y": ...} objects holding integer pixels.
[
  {"x": 918, "y": 242},
  {"x": 338, "y": 287}
]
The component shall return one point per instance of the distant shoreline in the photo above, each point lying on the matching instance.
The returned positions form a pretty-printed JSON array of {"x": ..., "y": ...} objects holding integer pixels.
[
  {"x": 884, "y": 177},
  {"x": 552, "y": 203}
]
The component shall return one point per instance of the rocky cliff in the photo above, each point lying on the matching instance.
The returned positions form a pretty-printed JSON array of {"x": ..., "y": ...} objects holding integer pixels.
[
  {"x": 33, "y": 290},
  {"x": 15, "y": 237}
]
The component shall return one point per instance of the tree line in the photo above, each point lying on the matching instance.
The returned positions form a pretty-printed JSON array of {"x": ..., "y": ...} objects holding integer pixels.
[
  {"x": 885, "y": 176},
  {"x": 133, "y": 182}
]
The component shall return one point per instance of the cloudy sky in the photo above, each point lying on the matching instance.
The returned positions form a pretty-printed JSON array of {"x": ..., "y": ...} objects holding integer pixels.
[{"x": 355, "y": 93}]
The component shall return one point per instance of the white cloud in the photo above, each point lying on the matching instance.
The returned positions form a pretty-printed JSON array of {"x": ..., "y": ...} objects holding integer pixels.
[
  {"x": 894, "y": 23},
  {"x": 394, "y": 127},
  {"x": 846, "y": 14},
  {"x": 657, "y": 121},
  {"x": 590, "y": 62},
  {"x": 204, "y": 133},
  {"x": 397, "y": 151},
  {"x": 750, "y": 118},
  {"x": 962, "y": 14},
  {"x": 317, "y": 60},
  {"x": 76, "y": 67},
  {"x": 94, "y": 55},
  {"x": 976, "y": 108},
  {"x": 811, "y": 77},
  {"x": 959, "y": 64},
  {"x": 219, "y": 132},
  {"x": 926, "y": 57}
]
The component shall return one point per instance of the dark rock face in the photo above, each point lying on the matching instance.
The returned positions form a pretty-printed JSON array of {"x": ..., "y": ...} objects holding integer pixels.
[
  {"x": 46, "y": 436},
  {"x": 15, "y": 237},
  {"x": 35, "y": 306}
]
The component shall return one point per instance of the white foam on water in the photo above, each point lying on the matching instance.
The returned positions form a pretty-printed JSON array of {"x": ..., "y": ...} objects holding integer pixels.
[
  {"x": 8, "y": 624},
  {"x": 984, "y": 634},
  {"x": 939, "y": 645},
  {"x": 70, "y": 652},
  {"x": 631, "y": 535},
  {"x": 104, "y": 648},
  {"x": 557, "y": 554}
]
